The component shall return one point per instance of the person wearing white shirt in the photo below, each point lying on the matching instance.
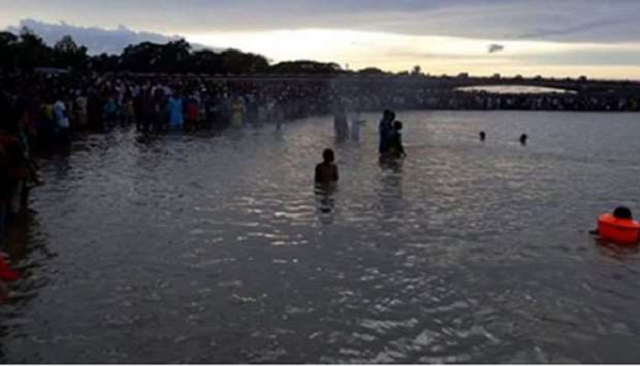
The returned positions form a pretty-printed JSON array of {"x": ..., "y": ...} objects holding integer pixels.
[{"x": 62, "y": 121}]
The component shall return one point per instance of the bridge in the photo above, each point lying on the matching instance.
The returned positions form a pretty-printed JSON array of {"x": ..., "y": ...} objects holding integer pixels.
[{"x": 580, "y": 85}]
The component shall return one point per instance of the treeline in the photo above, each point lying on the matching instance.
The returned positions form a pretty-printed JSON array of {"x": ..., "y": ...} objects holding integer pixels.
[{"x": 28, "y": 51}]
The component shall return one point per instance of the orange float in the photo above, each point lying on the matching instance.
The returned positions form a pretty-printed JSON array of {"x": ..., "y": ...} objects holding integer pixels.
[{"x": 619, "y": 231}]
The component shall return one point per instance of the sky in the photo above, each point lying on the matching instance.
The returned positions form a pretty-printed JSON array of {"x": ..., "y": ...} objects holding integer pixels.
[{"x": 595, "y": 38}]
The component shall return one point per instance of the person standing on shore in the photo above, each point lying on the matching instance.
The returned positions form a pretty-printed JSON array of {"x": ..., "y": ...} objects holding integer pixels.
[
  {"x": 62, "y": 121},
  {"x": 176, "y": 117},
  {"x": 81, "y": 110}
]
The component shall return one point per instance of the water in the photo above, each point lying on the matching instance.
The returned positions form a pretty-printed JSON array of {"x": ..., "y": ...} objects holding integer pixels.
[
  {"x": 217, "y": 249},
  {"x": 516, "y": 89}
]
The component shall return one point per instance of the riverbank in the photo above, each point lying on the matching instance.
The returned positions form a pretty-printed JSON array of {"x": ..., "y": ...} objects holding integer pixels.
[{"x": 215, "y": 248}]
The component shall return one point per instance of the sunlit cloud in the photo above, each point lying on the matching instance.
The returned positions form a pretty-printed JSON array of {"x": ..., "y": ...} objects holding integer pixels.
[
  {"x": 435, "y": 54},
  {"x": 595, "y": 37}
]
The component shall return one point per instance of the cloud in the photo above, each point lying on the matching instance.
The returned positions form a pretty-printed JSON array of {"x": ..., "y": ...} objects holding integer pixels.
[
  {"x": 97, "y": 40},
  {"x": 588, "y": 27},
  {"x": 494, "y": 20},
  {"x": 494, "y": 48}
]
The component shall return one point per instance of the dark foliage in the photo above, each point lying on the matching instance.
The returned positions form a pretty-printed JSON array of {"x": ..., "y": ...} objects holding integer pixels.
[{"x": 28, "y": 51}]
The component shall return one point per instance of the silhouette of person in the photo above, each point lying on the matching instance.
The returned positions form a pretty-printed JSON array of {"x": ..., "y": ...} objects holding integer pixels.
[
  {"x": 523, "y": 139},
  {"x": 327, "y": 171}
]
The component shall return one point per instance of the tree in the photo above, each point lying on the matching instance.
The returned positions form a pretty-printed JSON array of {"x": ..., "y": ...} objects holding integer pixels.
[
  {"x": 105, "y": 63},
  {"x": 373, "y": 71},
  {"x": 237, "y": 62},
  {"x": 31, "y": 51},
  {"x": 8, "y": 42},
  {"x": 175, "y": 56},
  {"x": 306, "y": 67},
  {"x": 67, "y": 54},
  {"x": 206, "y": 61},
  {"x": 142, "y": 57}
]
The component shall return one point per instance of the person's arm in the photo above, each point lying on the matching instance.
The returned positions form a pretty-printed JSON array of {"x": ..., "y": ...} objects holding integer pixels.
[
  {"x": 318, "y": 178},
  {"x": 335, "y": 173}
]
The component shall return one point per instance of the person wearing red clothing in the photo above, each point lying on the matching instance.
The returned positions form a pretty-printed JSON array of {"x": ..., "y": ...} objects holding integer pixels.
[
  {"x": 192, "y": 114},
  {"x": 5, "y": 191}
]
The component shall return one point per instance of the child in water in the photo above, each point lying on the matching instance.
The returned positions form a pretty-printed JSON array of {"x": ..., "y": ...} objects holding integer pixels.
[
  {"x": 327, "y": 171},
  {"x": 396, "y": 147}
]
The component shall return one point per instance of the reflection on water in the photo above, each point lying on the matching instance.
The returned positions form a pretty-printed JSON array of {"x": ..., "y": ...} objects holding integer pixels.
[
  {"x": 516, "y": 89},
  {"x": 216, "y": 247},
  {"x": 325, "y": 201}
]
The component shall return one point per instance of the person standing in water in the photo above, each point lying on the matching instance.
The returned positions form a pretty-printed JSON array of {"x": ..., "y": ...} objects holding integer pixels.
[
  {"x": 386, "y": 131},
  {"x": 327, "y": 171},
  {"x": 483, "y": 136},
  {"x": 396, "y": 148},
  {"x": 356, "y": 124},
  {"x": 341, "y": 124},
  {"x": 523, "y": 139}
]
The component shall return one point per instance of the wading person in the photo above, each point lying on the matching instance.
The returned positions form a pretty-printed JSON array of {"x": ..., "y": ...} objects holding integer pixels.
[
  {"x": 385, "y": 131},
  {"x": 396, "y": 148},
  {"x": 327, "y": 171}
]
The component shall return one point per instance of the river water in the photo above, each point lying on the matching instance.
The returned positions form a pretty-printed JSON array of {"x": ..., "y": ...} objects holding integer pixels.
[{"x": 215, "y": 248}]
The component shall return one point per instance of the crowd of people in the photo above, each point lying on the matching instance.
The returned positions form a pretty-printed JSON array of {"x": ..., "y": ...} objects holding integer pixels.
[
  {"x": 371, "y": 95},
  {"x": 40, "y": 113},
  {"x": 43, "y": 111}
]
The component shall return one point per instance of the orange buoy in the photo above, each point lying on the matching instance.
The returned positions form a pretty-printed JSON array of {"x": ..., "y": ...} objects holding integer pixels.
[{"x": 619, "y": 231}]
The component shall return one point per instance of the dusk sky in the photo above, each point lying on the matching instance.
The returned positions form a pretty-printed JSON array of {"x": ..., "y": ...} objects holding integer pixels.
[{"x": 548, "y": 37}]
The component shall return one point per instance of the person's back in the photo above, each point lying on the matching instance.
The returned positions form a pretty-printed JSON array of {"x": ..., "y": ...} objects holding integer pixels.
[
  {"x": 327, "y": 171},
  {"x": 396, "y": 148},
  {"x": 385, "y": 130}
]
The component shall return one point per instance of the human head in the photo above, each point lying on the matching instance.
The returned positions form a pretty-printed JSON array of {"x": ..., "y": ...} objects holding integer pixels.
[
  {"x": 623, "y": 213},
  {"x": 389, "y": 115},
  {"x": 328, "y": 156},
  {"x": 397, "y": 126}
]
